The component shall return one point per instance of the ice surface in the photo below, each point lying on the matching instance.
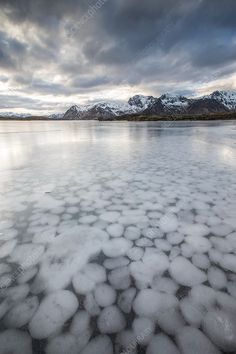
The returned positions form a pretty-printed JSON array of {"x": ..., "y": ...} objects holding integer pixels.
[
  {"x": 142, "y": 238},
  {"x": 52, "y": 313}
]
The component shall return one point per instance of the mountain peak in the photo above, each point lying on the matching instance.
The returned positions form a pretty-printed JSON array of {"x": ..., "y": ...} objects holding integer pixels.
[{"x": 227, "y": 98}]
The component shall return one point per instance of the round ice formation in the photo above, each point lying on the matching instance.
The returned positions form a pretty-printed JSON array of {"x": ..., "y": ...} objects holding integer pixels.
[
  {"x": 8, "y": 234},
  {"x": 163, "y": 245},
  {"x": 13, "y": 341},
  {"x": 88, "y": 219},
  {"x": 46, "y": 236},
  {"x": 80, "y": 323},
  {"x": 85, "y": 281},
  {"x": 191, "y": 340},
  {"x": 162, "y": 344},
  {"x": 125, "y": 300},
  {"x": 220, "y": 327},
  {"x": 196, "y": 230},
  {"x": 228, "y": 262},
  {"x": 221, "y": 230},
  {"x": 216, "y": 278},
  {"x": 192, "y": 312},
  {"x": 112, "y": 263},
  {"x": 119, "y": 278},
  {"x": 201, "y": 260},
  {"x": 110, "y": 216},
  {"x": 7, "y": 248},
  {"x": 91, "y": 305},
  {"x": 147, "y": 303},
  {"x": 6, "y": 224},
  {"x": 169, "y": 223},
  {"x": 16, "y": 293},
  {"x": 99, "y": 345},
  {"x": 152, "y": 233},
  {"x": 4, "y": 268},
  {"x": 83, "y": 284},
  {"x": 232, "y": 240},
  {"x": 116, "y": 247},
  {"x": 27, "y": 255},
  {"x": 135, "y": 253},
  {"x": 115, "y": 230},
  {"x": 143, "y": 329},
  {"x": 203, "y": 295},
  {"x": 111, "y": 320},
  {"x": 53, "y": 312},
  {"x": 62, "y": 344},
  {"x": 185, "y": 273},
  {"x": 22, "y": 313},
  {"x": 164, "y": 284},
  {"x": 221, "y": 244},
  {"x": 198, "y": 244},
  {"x": 132, "y": 233},
  {"x": 126, "y": 342},
  {"x": 27, "y": 275},
  {"x": 81, "y": 329},
  {"x": 104, "y": 295}
]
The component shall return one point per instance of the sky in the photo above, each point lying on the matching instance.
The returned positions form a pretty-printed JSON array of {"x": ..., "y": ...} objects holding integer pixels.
[{"x": 56, "y": 53}]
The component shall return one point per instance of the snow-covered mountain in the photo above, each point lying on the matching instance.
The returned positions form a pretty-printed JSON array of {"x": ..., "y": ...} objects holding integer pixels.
[
  {"x": 140, "y": 102},
  {"x": 14, "y": 115},
  {"x": 56, "y": 116},
  {"x": 99, "y": 110},
  {"x": 227, "y": 98},
  {"x": 167, "y": 104}
]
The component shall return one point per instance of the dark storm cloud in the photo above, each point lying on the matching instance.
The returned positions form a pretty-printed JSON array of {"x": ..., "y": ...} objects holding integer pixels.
[
  {"x": 70, "y": 46},
  {"x": 11, "y": 51}
]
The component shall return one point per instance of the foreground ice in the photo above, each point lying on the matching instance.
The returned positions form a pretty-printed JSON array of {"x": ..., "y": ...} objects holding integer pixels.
[{"x": 110, "y": 248}]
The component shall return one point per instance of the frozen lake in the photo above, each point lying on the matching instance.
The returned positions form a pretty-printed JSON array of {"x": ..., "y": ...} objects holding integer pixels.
[{"x": 117, "y": 238}]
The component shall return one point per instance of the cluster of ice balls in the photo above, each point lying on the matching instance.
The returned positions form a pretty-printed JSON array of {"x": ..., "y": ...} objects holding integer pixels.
[{"x": 136, "y": 263}]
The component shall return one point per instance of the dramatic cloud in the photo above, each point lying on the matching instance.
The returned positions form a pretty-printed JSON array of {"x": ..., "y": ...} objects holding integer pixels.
[{"x": 58, "y": 52}]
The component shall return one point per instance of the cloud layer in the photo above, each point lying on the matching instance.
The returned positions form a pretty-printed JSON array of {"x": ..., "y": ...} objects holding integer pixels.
[{"x": 59, "y": 52}]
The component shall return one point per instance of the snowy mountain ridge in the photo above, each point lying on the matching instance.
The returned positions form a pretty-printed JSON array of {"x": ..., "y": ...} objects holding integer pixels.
[
  {"x": 166, "y": 104},
  {"x": 218, "y": 101},
  {"x": 227, "y": 98}
]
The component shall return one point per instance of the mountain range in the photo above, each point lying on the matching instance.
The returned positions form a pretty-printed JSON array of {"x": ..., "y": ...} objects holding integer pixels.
[{"x": 167, "y": 104}]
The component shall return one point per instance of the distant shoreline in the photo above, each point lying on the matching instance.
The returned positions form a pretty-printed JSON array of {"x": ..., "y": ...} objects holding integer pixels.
[{"x": 136, "y": 118}]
